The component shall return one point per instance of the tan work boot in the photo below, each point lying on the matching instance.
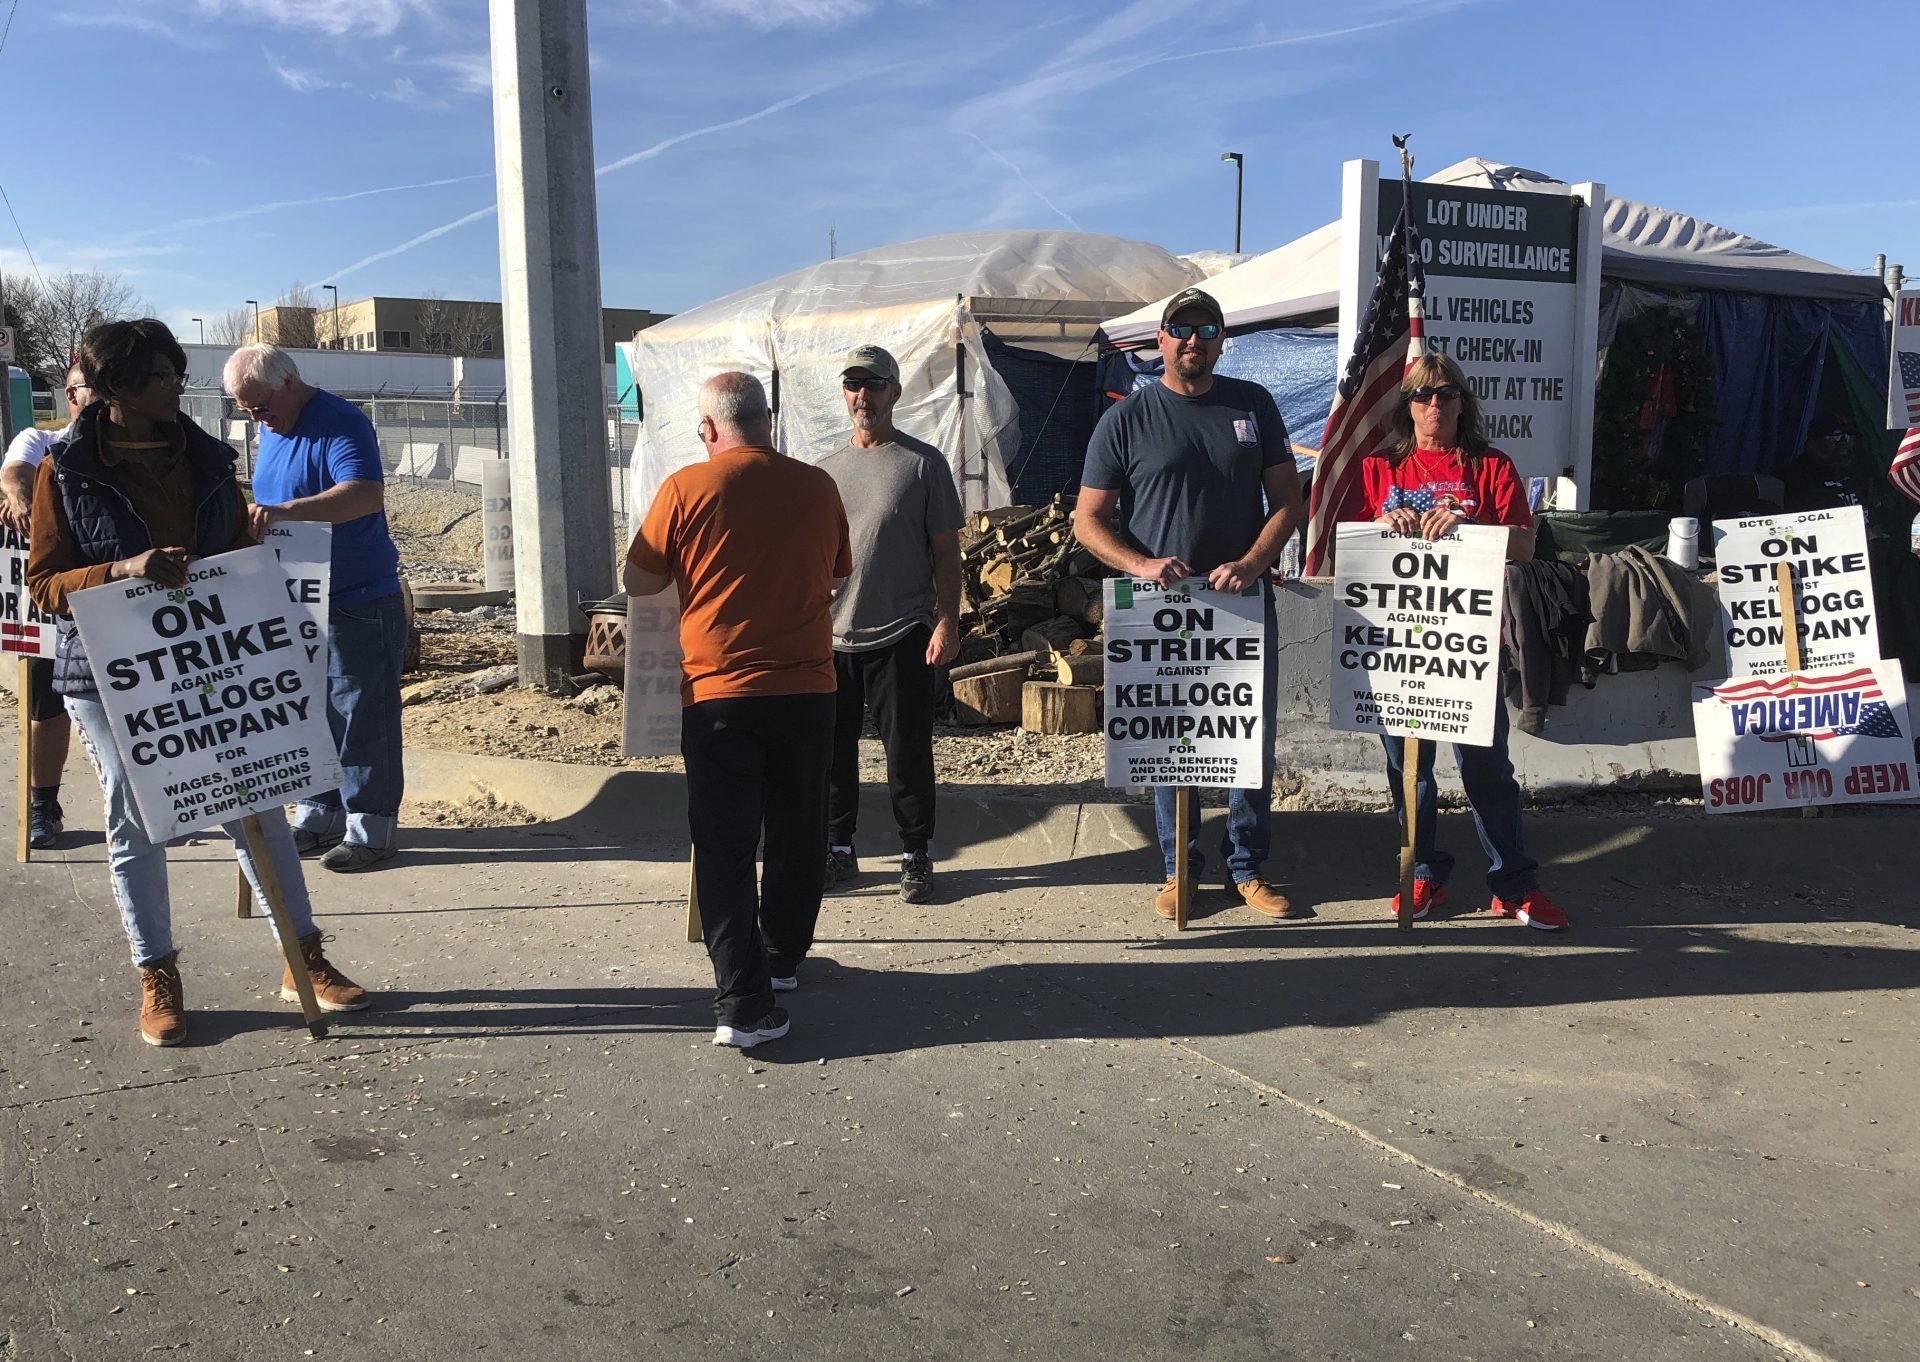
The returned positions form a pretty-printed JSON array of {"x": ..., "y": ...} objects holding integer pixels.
[
  {"x": 1264, "y": 899},
  {"x": 331, "y": 989},
  {"x": 1167, "y": 902},
  {"x": 163, "y": 1006}
]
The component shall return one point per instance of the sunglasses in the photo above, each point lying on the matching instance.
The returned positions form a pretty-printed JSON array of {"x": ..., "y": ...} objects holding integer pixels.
[
  {"x": 871, "y": 385},
  {"x": 1204, "y": 330},
  {"x": 1446, "y": 393},
  {"x": 166, "y": 378}
]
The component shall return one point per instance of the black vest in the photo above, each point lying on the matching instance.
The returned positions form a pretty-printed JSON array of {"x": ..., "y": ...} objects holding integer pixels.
[{"x": 105, "y": 527}]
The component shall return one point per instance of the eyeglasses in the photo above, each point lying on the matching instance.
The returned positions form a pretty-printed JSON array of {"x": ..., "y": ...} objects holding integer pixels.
[
  {"x": 1204, "y": 330},
  {"x": 1446, "y": 393},
  {"x": 871, "y": 385},
  {"x": 167, "y": 378}
]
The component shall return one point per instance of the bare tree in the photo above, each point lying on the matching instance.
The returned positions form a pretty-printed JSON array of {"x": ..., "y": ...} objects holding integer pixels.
[
  {"x": 54, "y": 312},
  {"x": 293, "y": 323},
  {"x": 232, "y": 327},
  {"x": 452, "y": 327}
]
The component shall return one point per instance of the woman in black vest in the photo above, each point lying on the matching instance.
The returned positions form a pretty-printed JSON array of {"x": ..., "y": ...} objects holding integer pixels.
[{"x": 140, "y": 491}]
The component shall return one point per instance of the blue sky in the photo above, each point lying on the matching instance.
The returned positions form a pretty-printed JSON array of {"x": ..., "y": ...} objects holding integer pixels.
[{"x": 216, "y": 150}]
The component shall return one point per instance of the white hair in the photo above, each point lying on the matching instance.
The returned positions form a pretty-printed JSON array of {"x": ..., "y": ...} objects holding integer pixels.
[
  {"x": 267, "y": 365},
  {"x": 736, "y": 402}
]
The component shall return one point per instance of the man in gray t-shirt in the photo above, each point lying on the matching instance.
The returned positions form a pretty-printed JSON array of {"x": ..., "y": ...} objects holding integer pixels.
[
  {"x": 895, "y": 620},
  {"x": 1193, "y": 476}
]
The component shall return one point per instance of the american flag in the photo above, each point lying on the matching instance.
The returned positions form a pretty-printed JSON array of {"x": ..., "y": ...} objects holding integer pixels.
[
  {"x": 1392, "y": 337},
  {"x": 1910, "y": 381},
  {"x": 1905, "y": 470},
  {"x": 1874, "y": 718}
]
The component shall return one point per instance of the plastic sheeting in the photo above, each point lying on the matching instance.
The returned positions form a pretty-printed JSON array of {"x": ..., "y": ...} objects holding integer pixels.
[
  {"x": 1297, "y": 365},
  {"x": 918, "y": 299},
  {"x": 1056, "y": 398}
]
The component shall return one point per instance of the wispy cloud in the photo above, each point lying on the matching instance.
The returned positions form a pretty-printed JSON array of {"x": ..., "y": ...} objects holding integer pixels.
[
  {"x": 762, "y": 14},
  {"x": 421, "y": 240},
  {"x": 298, "y": 80},
  {"x": 336, "y": 18},
  {"x": 277, "y": 205},
  {"x": 472, "y": 72},
  {"x": 97, "y": 18}
]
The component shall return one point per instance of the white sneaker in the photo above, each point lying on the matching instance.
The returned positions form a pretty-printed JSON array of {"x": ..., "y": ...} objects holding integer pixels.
[{"x": 770, "y": 1027}]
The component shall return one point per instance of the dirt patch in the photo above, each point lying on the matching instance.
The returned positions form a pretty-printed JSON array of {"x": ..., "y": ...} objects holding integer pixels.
[{"x": 481, "y": 811}]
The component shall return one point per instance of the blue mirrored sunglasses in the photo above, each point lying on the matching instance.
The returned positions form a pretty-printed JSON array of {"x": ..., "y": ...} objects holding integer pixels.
[{"x": 1204, "y": 330}]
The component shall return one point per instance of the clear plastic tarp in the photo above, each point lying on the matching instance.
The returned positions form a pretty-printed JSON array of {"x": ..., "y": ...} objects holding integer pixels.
[{"x": 925, "y": 301}]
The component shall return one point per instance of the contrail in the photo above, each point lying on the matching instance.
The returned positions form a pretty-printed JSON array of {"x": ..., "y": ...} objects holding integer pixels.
[
  {"x": 645, "y": 154},
  {"x": 1021, "y": 176},
  {"x": 236, "y": 214}
]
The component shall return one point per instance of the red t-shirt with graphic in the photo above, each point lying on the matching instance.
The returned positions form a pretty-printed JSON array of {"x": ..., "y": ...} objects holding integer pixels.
[{"x": 1488, "y": 493}]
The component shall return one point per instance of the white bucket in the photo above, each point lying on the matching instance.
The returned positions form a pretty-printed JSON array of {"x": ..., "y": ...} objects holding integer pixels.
[{"x": 1683, "y": 541}]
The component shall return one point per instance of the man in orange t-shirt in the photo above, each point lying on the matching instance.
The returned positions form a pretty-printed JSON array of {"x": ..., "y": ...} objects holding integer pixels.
[{"x": 756, "y": 544}]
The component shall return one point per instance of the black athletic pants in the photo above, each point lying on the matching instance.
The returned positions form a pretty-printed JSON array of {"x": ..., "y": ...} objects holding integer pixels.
[
  {"x": 757, "y": 765},
  {"x": 896, "y": 683}
]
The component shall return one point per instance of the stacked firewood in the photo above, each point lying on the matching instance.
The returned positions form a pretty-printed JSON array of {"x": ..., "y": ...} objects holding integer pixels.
[{"x": 1030, "y": 648}]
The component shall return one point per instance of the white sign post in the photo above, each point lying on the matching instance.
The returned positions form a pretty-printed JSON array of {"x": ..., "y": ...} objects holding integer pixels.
[
  {"x": 1185, "y": 670},
  {"x": 1513, "y": 294},
  {"x": 1840, "y": 736},
  {"x": 208, "y": 688},
  {"x": 1416, "y": 633},
  {"x": 26, "y": 632},
  {"x": 496, "y": 523},
  {"x": 1825, "y": 554},
  {"x": 1903, "y": 382}
]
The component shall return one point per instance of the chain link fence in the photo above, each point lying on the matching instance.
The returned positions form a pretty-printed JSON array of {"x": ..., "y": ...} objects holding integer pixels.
[{"x": 434, "y": 440}]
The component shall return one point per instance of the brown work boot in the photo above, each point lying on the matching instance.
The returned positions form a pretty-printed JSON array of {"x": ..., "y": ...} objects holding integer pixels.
[
  {"x": 331, "y": 989},
  {"x": 1167, "y": 901},
  {"x": 163, "y": 1007},
  {"x": 1264, "y": 899}
]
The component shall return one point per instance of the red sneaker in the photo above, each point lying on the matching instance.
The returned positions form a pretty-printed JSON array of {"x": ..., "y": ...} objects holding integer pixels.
[
  {"x": 1535, "y": 910},
  {"x": 1426, "y": 896}
]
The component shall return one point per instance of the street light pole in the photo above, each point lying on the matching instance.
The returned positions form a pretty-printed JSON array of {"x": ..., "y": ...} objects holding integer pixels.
[
  {"x": 203, "y": 328},
  {"x": 254, "y": 303},
  {"x": 1239, "y": 177},
  {"x": 336, "y": 314}
]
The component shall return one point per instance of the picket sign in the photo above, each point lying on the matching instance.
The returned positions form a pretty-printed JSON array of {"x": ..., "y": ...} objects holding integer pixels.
[
  {"x": 211, "y": 695},
  {"x": 27, "y": 632},
  {"x": 1185, "y": 683}
]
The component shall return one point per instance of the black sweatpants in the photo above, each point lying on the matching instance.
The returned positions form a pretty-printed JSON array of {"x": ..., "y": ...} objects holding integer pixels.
[
  {"x": 896, "y": 683},
  {"x": 756, "y": 765}
]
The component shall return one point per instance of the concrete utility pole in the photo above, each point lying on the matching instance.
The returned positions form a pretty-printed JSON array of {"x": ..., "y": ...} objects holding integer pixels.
[{"x": 550, "y": 304}]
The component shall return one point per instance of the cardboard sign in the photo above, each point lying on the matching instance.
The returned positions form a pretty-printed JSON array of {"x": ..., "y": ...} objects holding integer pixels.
[
  {"x": 1185, "y": 669},
  {"x": 1416, "y": 633},
  {"x": 652, "y": 684},
  {"x": 210, "y": 692},
  {"x": 1826, "y": 737},
  {"x": 305, "y": 551},
  {"x": 1826, "y": 551},
  {"x": 25, "y": 629}
]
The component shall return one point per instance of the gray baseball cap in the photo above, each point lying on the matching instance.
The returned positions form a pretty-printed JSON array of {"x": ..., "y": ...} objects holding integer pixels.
[{"x": 874, "y": 360}]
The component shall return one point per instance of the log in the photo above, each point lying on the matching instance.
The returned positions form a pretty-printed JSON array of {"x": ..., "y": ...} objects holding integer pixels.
[
  {"x": 1048, "y": 707},
  {"x": 1082, "y": 647},
  {"x": 1082, "y": 598},
  {"x": 1000, "y": 515},
  {"x": 1088, "y": 669},
  {"x": 996, "y": 578},
  {"x": 991, "y": 698},
  {"x": 1052, "y": 636},
  {"x": 1006, "y": 662}
]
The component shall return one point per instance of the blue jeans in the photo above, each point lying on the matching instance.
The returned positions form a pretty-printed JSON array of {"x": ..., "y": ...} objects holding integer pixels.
[
  {"x": 1493, "y": 793},
  {"x": 139, "y": 865},
  {"x": 365, "y": 644},
  {"x": 1249, "y": 831}
]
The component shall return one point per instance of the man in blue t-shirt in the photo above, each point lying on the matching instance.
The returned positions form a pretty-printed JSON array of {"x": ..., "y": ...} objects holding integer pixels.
[
  {"x": 1193, "y": 476},
  {"x": 319, "y": 460}
]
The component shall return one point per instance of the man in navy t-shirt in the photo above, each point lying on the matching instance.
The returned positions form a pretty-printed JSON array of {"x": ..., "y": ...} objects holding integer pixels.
[
  {"x": 1193, "y": 476},
  {"x": 319, "y": 460}
]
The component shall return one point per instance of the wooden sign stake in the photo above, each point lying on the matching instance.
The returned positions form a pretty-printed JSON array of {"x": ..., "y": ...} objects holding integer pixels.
[
  {"x": 694, "y": 931},
  {"x": 1184, "y": 800},
  {"x": 1409, "y": 785},
  {"x": 1790, "y": 626},
  {"x": 24, "y": 851},
  {"x": 283, "y": 925},
  {"x": 243, "y": 893}
]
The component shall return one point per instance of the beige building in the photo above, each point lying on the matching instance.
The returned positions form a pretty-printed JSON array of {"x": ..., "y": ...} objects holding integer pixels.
[{"x": 421, "y": 326}]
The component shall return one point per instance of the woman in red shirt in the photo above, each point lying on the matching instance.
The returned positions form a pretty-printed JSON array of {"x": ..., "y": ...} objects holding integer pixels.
[{"x": 1441, "y": 472}]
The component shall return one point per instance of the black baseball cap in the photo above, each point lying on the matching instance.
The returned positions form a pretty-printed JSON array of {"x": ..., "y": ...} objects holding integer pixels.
[{"x": 1192, "y": 297}]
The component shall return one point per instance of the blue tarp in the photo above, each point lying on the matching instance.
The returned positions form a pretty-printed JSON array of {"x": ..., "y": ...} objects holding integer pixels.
[{"x": 1298, "y": 366}]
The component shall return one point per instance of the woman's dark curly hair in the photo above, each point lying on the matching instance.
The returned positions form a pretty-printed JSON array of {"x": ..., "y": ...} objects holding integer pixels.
[{"x": 117, "y": 356}]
